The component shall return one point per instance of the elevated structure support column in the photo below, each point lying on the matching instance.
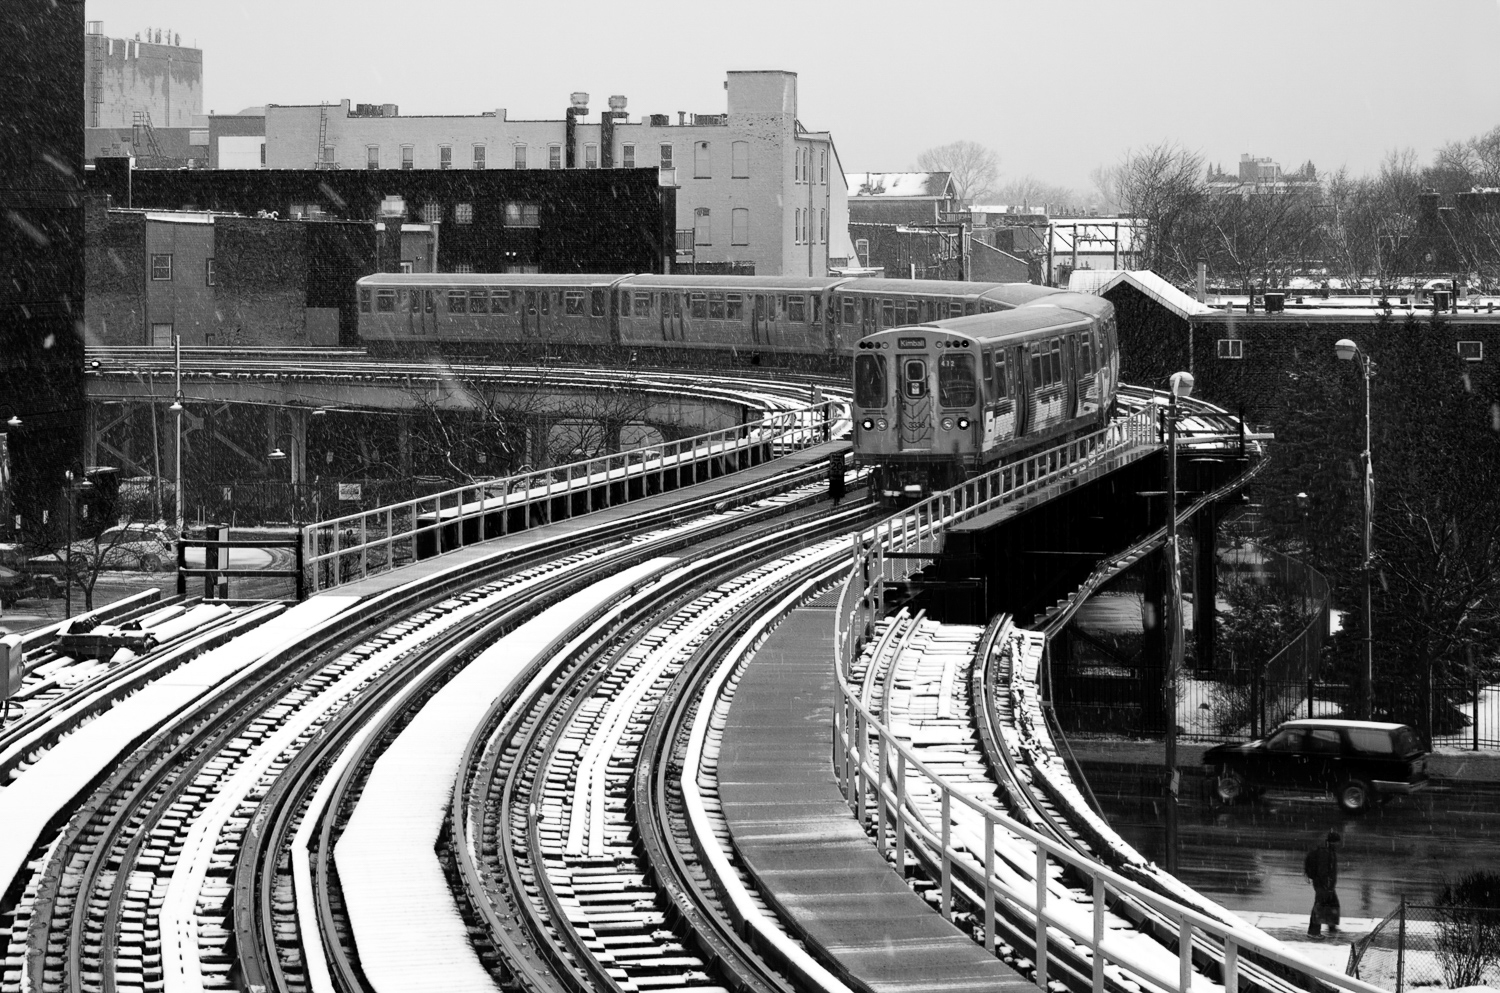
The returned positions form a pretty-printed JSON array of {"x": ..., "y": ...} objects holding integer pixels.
[
  {"x": 1154, "y": 647},
  {"x": 1205, "y": 587}
]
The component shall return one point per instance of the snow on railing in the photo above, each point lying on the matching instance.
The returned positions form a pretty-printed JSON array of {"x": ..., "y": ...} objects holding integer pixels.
[
  {"x": 875, "y": 768},
  {"x": 350, "y": 548}
]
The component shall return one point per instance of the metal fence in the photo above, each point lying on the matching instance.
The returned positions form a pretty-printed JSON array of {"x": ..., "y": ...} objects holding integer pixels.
[
  {"x": 1430, "y": 946},
  {"x": 880, "y": 774},
  {"x": 349, "y": 548}
]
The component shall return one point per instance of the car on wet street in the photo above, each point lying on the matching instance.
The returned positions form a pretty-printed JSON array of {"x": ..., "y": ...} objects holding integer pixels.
[{"x": 1358, "y": 762}]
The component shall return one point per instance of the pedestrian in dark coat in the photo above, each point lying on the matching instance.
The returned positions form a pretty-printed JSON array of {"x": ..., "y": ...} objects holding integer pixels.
[{"x": 1321, "y": 867}]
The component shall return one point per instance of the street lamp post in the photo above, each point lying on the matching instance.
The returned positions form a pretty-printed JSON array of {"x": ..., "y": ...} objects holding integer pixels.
[
  {"x": 176, "y": 408},
  {"x": 1346, "y": 349},
  {"x": 68, "y": 551},
  {"x": 1181, "y": 385}
]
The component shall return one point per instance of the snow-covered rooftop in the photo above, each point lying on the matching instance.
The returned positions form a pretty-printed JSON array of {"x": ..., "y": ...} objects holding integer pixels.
[
  {"x": 899, "y": 184},
  {"x": 1158, "y": 289}
]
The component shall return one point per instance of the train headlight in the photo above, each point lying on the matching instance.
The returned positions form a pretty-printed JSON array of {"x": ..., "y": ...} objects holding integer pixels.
[
  {"x": 947, "y": 424},
  {"x": 963, "y": 424},
  {"x": 881, "y": 424},
  {"x": 867, "y": 424}
]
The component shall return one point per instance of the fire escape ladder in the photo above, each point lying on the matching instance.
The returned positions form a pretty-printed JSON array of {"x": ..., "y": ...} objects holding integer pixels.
[
  {"x": 141, "y": 125},
  {"x": 318, "y": 160}
]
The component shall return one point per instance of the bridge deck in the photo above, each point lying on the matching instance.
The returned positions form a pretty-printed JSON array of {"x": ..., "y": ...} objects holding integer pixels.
[
  {"x": 545, "y": 534},
  {"x": 797, "y": 836}
]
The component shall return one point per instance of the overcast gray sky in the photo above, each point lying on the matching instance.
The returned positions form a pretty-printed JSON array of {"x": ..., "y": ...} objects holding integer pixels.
[{"x": 1054, "y": 88}]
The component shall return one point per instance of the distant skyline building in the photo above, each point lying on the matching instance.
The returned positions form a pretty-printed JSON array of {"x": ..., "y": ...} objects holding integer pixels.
[
  {"x": 143, "y": 97},
  {"x": 1261, "y": 175},
  {"x": 756, "y": 190}
]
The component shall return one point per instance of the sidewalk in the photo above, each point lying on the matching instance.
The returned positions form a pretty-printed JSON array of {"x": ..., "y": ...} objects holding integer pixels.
[{"x": 1331, "y": 951}]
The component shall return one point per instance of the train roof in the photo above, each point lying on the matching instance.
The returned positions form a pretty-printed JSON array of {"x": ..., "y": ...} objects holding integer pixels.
[
  {"x": 1081, "y": 303},
  {"x": 1003, "y": 324},
  {"x": 1018, "y": 294},
  {"x": 926, "y": 287},
  {"x": 488, "y": 279},
  {"x": 681, "y": 281}
]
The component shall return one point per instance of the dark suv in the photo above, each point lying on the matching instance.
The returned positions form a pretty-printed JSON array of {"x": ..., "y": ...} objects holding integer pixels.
[{"x": 1358, "y": 761}]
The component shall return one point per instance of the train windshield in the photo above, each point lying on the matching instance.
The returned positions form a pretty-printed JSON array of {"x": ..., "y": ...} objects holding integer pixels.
[
  {"x": 870, "y": 386},
  {"x": 956, "y": 386}
]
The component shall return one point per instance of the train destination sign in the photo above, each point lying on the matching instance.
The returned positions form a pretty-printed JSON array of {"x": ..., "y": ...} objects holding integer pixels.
[{"x": 911, "y": 342}]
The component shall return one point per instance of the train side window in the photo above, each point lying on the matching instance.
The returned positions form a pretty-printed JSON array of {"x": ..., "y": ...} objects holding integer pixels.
[
  {"x": 1086, "y": 355},
  {"x": 734, "y": 307},
  {"x": 914, "y": 374},
  {"x": 401, "y": 302},
  {"x": 677, "y": 305},
  {"x": 544, "y": 300},
  {"x": 1038, "y": 367},
  {"x": 1056, "y": 360},
  {"x": 697, "y": 306},
  {"x": 479, "y": 301},
  {"x": 956, "y": 308},
  {"x": 573, "y": 303},
  {"x": 597, "y": 303},
  {"x": 716, "y": 306},
  {"x": 850, "y": 316},
  {"x": 642, "y": 304},
  {"x": 796, "y": 309},
  {"x": 1002, "y": 376},
  {"x": 913, "y": 312},
  {"x": 968, "y": 309},
  {"x": 989, "y": 370},
  {"x": 887, "y": 313},
  {"x": 818, "y": 309},
  {"x": 956, "y": 387},
  {"x": 458, "y": 302},
  {"x": 870, "y": 386},
  {"x": 431, "y": 296},
  {"x": 364, "y": 300},
  {"x": 385, "y": 301},
  {"x": 500, "y": 301}
]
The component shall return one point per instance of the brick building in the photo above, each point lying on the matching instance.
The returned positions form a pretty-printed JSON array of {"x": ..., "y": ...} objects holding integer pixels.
[
  {"x": 470, "y": 220},
  {"x": 144, "y": 97},
  {"x": 217, "y": 279},
  {"x": 755, "y": 189}
]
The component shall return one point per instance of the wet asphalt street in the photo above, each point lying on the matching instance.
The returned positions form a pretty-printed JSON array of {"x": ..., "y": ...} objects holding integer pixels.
[{"x": 1249, "y": 856}]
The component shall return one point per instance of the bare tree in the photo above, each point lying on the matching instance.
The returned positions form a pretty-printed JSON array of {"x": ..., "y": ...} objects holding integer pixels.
[
  {"x": 1032, "y": 192},
  {"x": 975, "y": 169},
  {"x": 1163, "y": 186}
]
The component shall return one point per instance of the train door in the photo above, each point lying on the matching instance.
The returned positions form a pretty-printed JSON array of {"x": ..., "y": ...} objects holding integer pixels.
[
  {"x": 670, "y": 319},
  {"x": 915, "y": 411},
  {"x": 757, "y": 318},
  {"x": 530, "y": 322},
  {"x": 1025, "y": 387}
]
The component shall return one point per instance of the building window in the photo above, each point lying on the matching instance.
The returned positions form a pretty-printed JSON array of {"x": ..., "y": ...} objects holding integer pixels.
[
  {"x": 554, "y": 156},
  {"x": 263, "y": 154},
  {"x": 463, "y": 213},
  {"x": 208, "y": 272},
  {"x": 797, "y": 167},
  {"x": 797, "y": 226},
  {"x": 591, "y": 156},
  {"x": 627, "y": 156},
  {"x": 740, "y": 154},
  {"x": 523, "y": 215},
  {"x": 700, "y": 161},
  {"x": 862, "y": 249},
  {"x": 478, "y": 156},
  {"x": 372, "y": 156},
  {"x": 432, "y": 213},
  {"x": 740, "y": 226},
  {"x": 823, "y": 225},
  {"x": 823, "y": 168},
  {"x": 161, "y": 335},
  {"x": 666, "y": 156},
  {"x": 1231, "y": 348},
  {"x": 701, "y": 235},
  {"x": 406, "y": 156},
  {"x": 520, "y": 159},
  {"x": 445, "y": 157},
  {"x": 161, "y": 267},
  {"x": 1471, "y": 351},
  {"x": 330, "y": 155}
]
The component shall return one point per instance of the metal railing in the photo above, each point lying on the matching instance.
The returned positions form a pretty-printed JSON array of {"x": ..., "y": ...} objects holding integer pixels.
[
  {"x": 880, "y": 775},
  {"x": 352, "y": 547}
]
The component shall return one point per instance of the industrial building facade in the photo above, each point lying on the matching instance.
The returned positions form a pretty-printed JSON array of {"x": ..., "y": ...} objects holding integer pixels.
[{"x": 755, "y": 190}]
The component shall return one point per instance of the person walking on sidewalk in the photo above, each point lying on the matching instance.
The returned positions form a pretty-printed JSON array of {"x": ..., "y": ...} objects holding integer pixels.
[{"x": 1321, "y": 866}]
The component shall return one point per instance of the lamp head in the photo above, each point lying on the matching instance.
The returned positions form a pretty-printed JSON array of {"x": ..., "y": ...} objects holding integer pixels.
[
  {"x": 1181, "y": 384},
  {"x": 1345, "y": 348},
  {"x": 319, "y": 412},
  {"x": 276, "y": 453},
  {"x": 14, "y": 421},
  {"x": 176, "y": 407}
]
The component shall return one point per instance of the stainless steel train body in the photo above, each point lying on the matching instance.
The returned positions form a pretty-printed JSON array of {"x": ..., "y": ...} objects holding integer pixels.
[
  {"x": 939, "y": 401},
  {"x": 671, "y": 319}
]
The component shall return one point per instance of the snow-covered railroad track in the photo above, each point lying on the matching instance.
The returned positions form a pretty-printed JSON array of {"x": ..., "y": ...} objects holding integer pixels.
[
  {"x": 563, "y": 786},
  {"x": 134, "y": 891}
]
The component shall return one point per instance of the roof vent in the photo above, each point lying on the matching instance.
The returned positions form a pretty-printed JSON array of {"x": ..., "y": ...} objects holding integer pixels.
[
  {"x": 580, "y": 101},
  {"x": 616, "y": 103}
]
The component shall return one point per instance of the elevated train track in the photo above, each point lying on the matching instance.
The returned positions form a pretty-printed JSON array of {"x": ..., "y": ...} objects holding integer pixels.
[{"x": 581, "y": 849}]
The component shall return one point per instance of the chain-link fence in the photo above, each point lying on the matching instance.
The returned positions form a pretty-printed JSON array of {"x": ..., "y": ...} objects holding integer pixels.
[{"x": 1418, "y": 946}]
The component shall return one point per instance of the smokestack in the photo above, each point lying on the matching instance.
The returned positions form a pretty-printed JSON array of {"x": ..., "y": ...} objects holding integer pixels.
[{"x": 1202, "y": 281}]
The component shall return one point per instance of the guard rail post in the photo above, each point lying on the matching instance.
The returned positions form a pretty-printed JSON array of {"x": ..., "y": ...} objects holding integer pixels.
[
  {"x": 881, "y": 806},
  {"x": 1041, "y": 916},
  {"x": 989, "y": 884},
  {"x": 945, "y": 904},
  {"x": 900, "y": 812},
  {"x": 1097, "y": 981}
]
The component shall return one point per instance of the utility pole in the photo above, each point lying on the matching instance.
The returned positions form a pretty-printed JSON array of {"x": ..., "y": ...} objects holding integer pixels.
[{"x": 1181, "y": 385}]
